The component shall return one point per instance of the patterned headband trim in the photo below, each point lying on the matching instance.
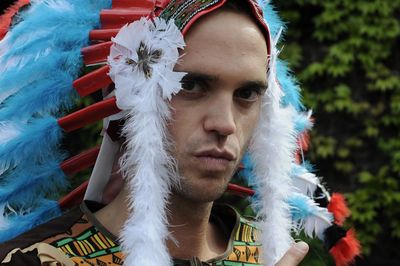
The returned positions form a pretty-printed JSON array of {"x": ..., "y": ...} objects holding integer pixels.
[
  {"x": 182, "y": 11},
  {"x": 186, "y": 12}
]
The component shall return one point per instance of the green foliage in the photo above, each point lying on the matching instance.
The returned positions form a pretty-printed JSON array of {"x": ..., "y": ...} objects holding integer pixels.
[{"x": 346, "y": 56}]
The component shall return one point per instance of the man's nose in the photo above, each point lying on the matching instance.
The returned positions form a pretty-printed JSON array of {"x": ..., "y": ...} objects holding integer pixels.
[{"x": 220, "y": 116}]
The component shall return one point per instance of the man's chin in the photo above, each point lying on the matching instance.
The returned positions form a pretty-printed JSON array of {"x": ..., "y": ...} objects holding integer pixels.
[{"x": 201, "y": 194}]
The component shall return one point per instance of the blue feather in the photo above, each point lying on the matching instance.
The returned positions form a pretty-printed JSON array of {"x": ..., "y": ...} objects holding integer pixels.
[
  {"x": 309, "y": 166},
  {"x": 308, "y": 216},
  {"x": 272, "y": 17},
  {"x": 301, "y": 206},
  {"x": 247, "y": 171},
  {"x": 26, "y": 147},
  {"x": 302, "y": 123},
  {"x": 297, "y": 170},
  {"x": 40, "y": 59},
  {"x": 61, "y": 25},
  {"x": 34, "y": 182},
  {"x": 41, "y": 97},
  {"x": 289, "y": 86},
  {"x": 20, "y": 223}
]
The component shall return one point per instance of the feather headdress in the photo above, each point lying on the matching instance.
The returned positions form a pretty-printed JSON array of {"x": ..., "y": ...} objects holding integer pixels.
[
  {"x": 39, "y": 59},
  {"x": 51, "y": 40}
]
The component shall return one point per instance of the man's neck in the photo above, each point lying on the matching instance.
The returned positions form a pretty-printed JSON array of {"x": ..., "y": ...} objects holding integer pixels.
[{"x": 193, "y": 234}]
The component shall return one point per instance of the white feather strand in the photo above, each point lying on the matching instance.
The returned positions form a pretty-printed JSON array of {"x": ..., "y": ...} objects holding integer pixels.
[
  {"x": 145, "y": 232},
  {"x": 146, "y": 164},
  {"x": 318, "y": 223},
  {"x": 309, "y": 216},
  {"x": 306, "y": 183},
  {"x": 272, "y": 150}
]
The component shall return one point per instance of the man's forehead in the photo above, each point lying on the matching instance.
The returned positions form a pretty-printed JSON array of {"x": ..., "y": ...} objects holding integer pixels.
[{"x": 224, "y": 44}]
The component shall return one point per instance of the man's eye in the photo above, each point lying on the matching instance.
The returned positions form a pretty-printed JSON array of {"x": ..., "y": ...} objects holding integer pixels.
[
  {"x": 191, "y": 86},
  {"x": 248, "y": 94}
]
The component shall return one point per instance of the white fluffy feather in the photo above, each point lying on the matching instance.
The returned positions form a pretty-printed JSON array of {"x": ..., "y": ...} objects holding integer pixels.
[
  {"x": 306, "y": 183},
  {"x": 313, "y": 219},
  {"x": 146, "y": 164},
  {"x": 272, "y": 150},
  {"x": 318, "y": 223}
]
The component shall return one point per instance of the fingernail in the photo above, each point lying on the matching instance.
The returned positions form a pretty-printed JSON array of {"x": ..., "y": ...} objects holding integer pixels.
[{"x": 301, "y": 246}]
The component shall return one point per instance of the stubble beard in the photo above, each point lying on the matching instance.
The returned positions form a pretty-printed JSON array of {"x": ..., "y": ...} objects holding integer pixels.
[{"x": 191, "y": 190}]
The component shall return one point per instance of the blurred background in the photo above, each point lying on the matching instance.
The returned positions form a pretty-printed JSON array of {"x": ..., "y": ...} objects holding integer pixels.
[{"x": 346, "y": 56}]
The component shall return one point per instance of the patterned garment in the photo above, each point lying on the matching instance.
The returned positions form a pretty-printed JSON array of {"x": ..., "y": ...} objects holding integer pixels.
[{"x": 77, "y": 238}]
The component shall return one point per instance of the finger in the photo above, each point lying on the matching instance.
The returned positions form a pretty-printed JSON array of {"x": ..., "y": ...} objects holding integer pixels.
[{"x": 294, "y": 255}]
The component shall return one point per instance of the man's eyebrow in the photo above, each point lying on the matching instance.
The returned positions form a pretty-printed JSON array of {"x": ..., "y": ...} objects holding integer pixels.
[
  {"x": 211, "y": 78},
  {"x": 200, "y": 76},
  {"x": 262, "y": 85}
]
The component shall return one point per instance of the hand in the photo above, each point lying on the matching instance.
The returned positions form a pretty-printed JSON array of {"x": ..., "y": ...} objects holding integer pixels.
[{"x": 294, "y": 255}]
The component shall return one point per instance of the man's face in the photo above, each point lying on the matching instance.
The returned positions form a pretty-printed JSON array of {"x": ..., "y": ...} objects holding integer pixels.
[{"x": 215, "y": 113}]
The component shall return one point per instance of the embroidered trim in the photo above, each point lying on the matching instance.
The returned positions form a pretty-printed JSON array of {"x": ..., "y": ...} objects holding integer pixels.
[{"x": 182, "y": 11}]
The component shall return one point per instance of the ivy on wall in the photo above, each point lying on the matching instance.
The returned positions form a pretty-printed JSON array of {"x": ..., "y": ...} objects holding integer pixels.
[{"x": 346, "y": 56}]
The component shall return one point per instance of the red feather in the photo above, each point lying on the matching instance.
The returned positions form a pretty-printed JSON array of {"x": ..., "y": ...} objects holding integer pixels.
[
  {"x": 337, "y": 206},
  {"x": 6, "y": 18},
  {"x": 304, "y": 140},
  {"x": 346, "y": 249}
]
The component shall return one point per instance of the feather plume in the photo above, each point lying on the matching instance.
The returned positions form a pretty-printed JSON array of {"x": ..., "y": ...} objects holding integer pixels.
[
  {"x": 346, "y": 249},
  {"x": 275, "y": 24},
  {"x": 303, "y": 122},
  {"x": 304, "y": 181},
  {"x": 248, "y": 169},
  {"x": 307, "y": 215},
  {"x": 24, "y": 147},
  {"x": 40, "y": 57},
  {"x": 289, "y": 86},
  {"x": 47, "y": 96},
  {"x": 46, "y": 42},
  {"x": 32, "y": 184},
  {"x": 141, "y": 66},
  {"x": 338, "y": 207},
  {"x": 272, "y": 149}
]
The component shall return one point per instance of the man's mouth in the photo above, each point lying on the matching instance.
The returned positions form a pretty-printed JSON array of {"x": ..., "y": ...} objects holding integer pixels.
[{"x": 214, "y": 159}]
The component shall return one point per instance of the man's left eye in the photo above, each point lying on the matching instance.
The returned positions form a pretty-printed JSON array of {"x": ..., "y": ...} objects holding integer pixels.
[{"x": 248, "y": 94}]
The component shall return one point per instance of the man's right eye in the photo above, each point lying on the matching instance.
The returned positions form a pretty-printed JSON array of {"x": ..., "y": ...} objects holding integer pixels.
[{"x": 192, "y": 86}]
